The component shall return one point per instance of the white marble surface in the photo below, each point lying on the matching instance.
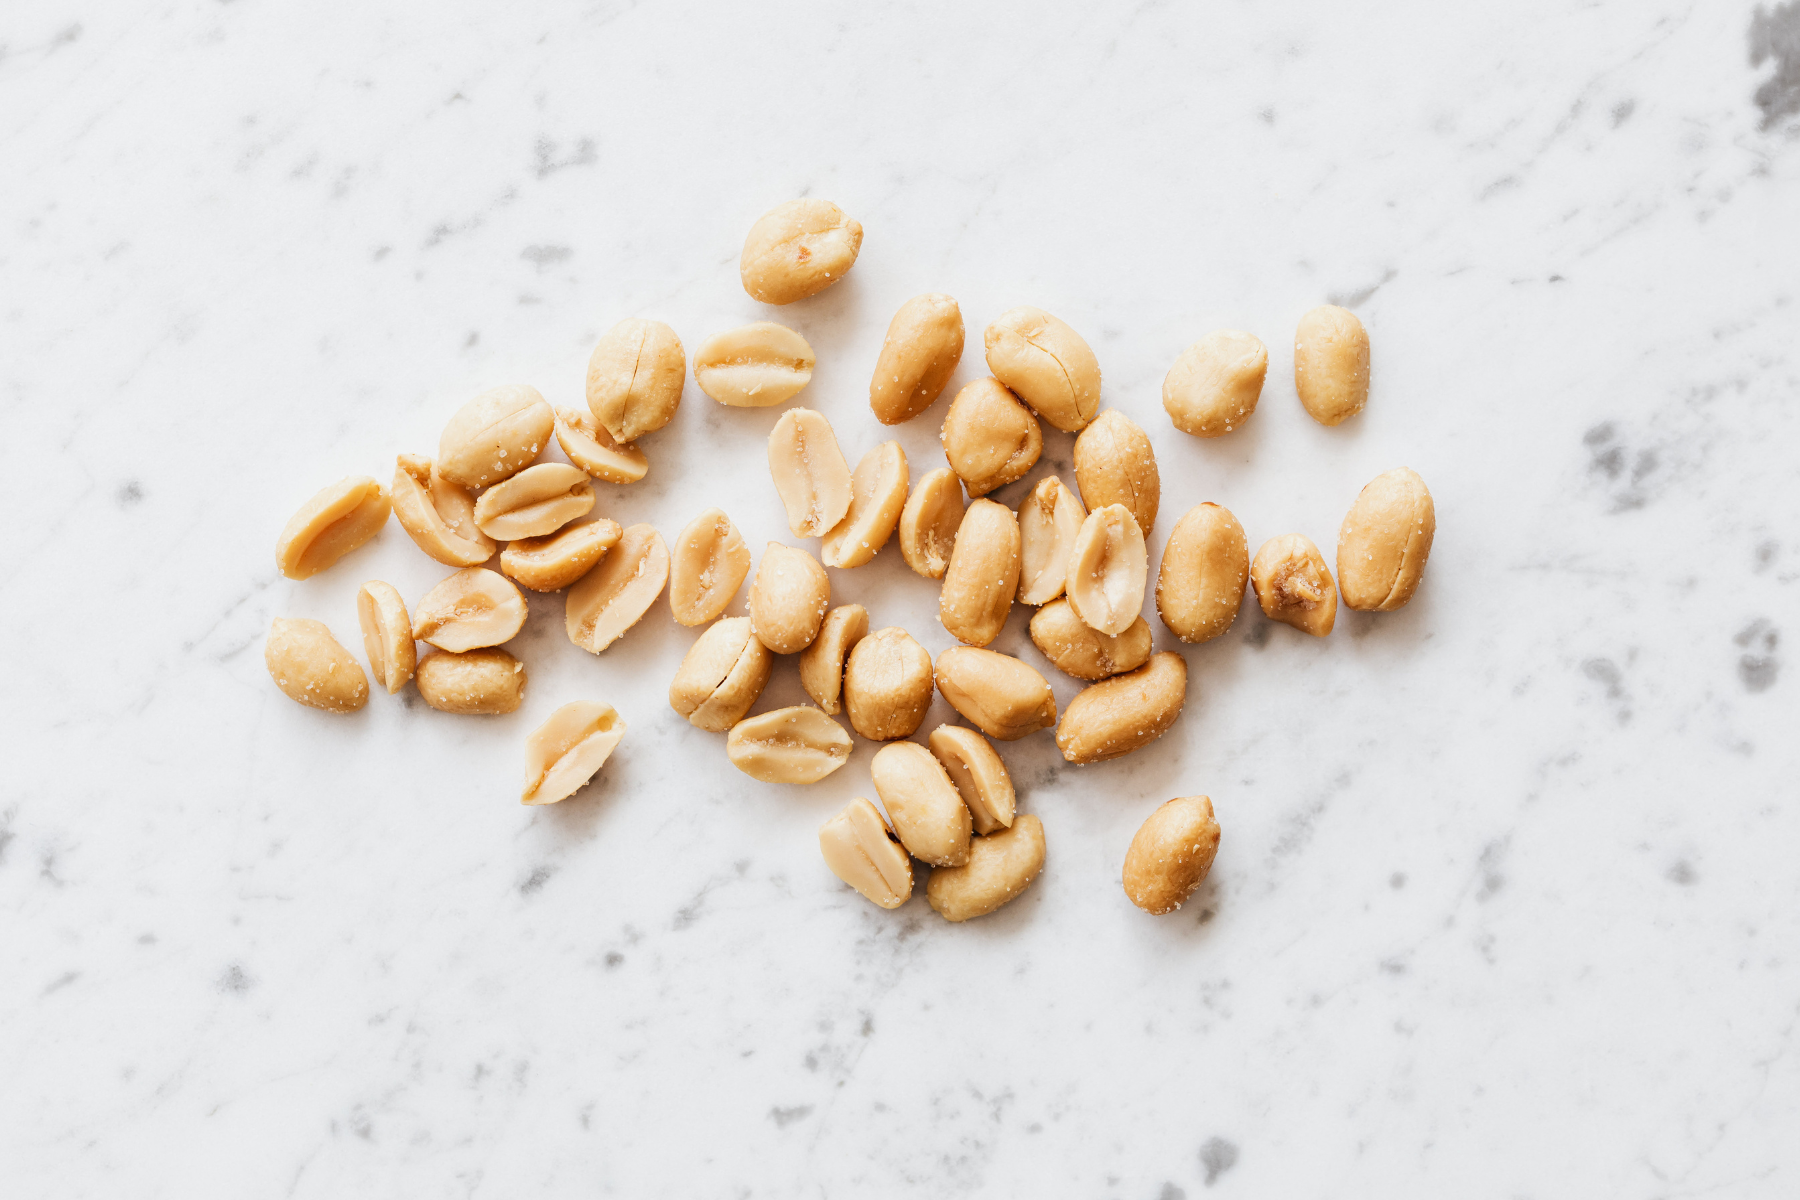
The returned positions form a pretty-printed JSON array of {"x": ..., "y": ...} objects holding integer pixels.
[{"x": 1507, "y": 903}]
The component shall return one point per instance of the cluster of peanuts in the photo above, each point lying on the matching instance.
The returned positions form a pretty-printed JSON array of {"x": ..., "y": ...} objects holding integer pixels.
[{"x": 1079, "y": 556}]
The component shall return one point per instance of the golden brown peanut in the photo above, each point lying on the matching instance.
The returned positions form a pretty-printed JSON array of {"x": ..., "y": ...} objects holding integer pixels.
[
  {"x": 809, "y": 470},
  {"x": 980, "y": 777},
  {"x": 612, "y": 597},
  {"x": 929, "y": 522},
  {"x": 495, "y": 435},
  {"x": 1108, "y": 567},
  {"x": 822, "y": 663},
  {"x": 387, "y": 634},
  {"x": 1076, "y": 648},
  {"x": 635, "y": 377},
  {"x": 566, "y": 751},
  {"x": 788, "y": 599},
  {"x": 438, "y": 515},
  {"x": 1049, "y": 520},
  {"x": 473, "y": 608},
  {"x": 309, "y": 665},
  {"x": 1047, "y": 364},
  {"x": 990, "y": 439},
  {"x": 1171, "y": 854},
  {"x": 710, "y": 563},
  {"x": 798, "y": 249},
  {"x": 983, "y": 574},
  {"x": 534, "y": 503},
  {"x": 477, "y": 683},
  {"x": 877, "y": 495},
  {"x": 929, "y": 815},
  {"x": 789, "y": 745},
  {"x": 860, "y": 848},
  {"x": 591, "y": 448},
  {"x": 1125, "y": 713},
  {"x": 721, "y": 676},
  {"x": 1114, "y": 464},
  {"x": 1213, "y": 387},
  {"x": 754, "y": 366},
  {"x": 1385, "y": 540},
  {"x": 334, "y": 522},
  {"x": 1331, "y": 364},
  {"x": 1000, "y": 867},
  {"x": 1200, "y": 585},
  {"x": 887, "y": 685},
  {"x": 998, "y": 694},
  {"x": 923, "y": 345},
  {"x": 1293, "y": 586},
  {"x": 549, "y": 564}
]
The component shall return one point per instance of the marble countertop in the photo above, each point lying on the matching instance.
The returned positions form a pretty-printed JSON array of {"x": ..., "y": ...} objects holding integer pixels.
[{"x": 1506, "y": 904}]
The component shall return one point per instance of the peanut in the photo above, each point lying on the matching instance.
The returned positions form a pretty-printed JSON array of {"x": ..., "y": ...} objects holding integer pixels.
[
  {"x": 798, "y": 249},
  {"x": 1385, "y": 540},
  {"x": 923, "y": 345},
  {"x": 330, "y": 525},
  {"x": 1000, "y": 867},
  {"x": 1205, "y": 565},
  {"x": 1047, "y": 364},
  {"x": 929, "y": 522},
  {"x": 989, "y": 438},
  {"x": 928, "y": 813},
  {"x": 1125, "y": 713},
  {"x": 1293, "y": 586},
  {"x": 1108, "y": 567},
  {"x": 1213, "y": 387},
  {"x": 982, "y": 576},
  {"x": 998, "y": 694},
  {"x": 1331, "y": 364},
  {"x": 612, "y": 597},
  {"x": 1171, "y": 854}
]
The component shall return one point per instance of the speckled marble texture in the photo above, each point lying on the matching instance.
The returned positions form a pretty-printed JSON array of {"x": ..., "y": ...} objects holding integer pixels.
[{"x": 1507, "y": 902}]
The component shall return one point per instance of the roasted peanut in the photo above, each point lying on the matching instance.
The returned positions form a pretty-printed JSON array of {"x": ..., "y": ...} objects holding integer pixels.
[
  {"x": 877, "y": 495},
  {"x": 1118, "y": 715},
  {"x": 721, "y": 676},
  {"x": 887, "y": 685},
  {"x": 788, "y": 599},
  {"x": 1114, "y": 464},
  {"x": 438, "y": 515},
  {"x": 473, "y": 608},
  {"x": 789, "y": 745},
  {"x": 755, "y": 366},
  {"x": 1205, "y": 565},
  {"x": 387, "y": 634},
  {"x": 1213, "y": 387},
  {"x": 591, "y": 448},
  {"x": 1108, "y": 567},
  {"x": 612, "y": 597},
  {"x": 1000, "y": 867},
  {"x": 980, "y": 777},
  {"x": 990, "y": 439},
  {"x": 998, "y": 694},
  {"x": 635, "y": 377},
  {"x": 534, "y": 503},
  {"x": 797, "y": 249},
  {"x": 1385, "y": 540},
  {"x": 860, "y": 848},
  {"x": 309, "y": 665},
  {"x": 1049, "y": 520},
  {"x": 1047, "y": 364},
  {"x": 923, "y": 345},
  {"x": 1076, "y": 648},
  {"x": 809, "y": 470},
  {"x": 928, "y": 813},
  {"x": 565, "y": 752},
  {"x": 1331, "y": 364},
  {"x": 1171, "y": 854},
  {"x": 822, "y": 663},
  {"x": 929, "y": 522},
  {"x": 495, "y": 435},
  {"x": 710, "y": 563},
  {"x": 1293, "y": 586},
  {"x": 549, "y": 564},
  {"x": 333, "y": 523},
  {"x": 983, "y": 574},
  {"x": 476, "y": 683}
]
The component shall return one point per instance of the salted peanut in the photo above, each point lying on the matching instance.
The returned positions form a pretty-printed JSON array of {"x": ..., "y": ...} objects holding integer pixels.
[
  {"x": 1047, "y": 364},
  {"x": 721, "y": 676},
  {"x": 797, "y": 249},
  {"x": 990, "y": 439},
  {"x": 1293, "y": 586},
  {"x": 549, "y": 564},
  {"x": 789, "y": 745},
  {"x": 998, "y": 694},
  {"x": 537, "y": 501},
  {"x": 887, "y": 685},
  {"x": 1118, "y": 715},
  {"x": 1385, "y": 540},
  {"x": 928, "y": 813},
  {"x": 473, "y": 608},
  {"x": 635, "y": 377},
  {"x": 809, "y": 470},
  {"x": 566, "y": 751},
  {"x": 709, "y": 564},
  {"x": 495, "y": 435},
  {"x": 929, "y": 522},
  {"x": 309, "y": 665},
  {"x": 612, "y": 597},
  {"x": 1114, "y": 464},
  {"x": 860, "y": 848},
  {"x": 754, "y": 366},
  {"x": 387, "y": 634},
  {"x": 877, "y": 496},
  {"x": 591, "y": 448},
  {"x": 1000, "y": 867},
  {"x": 1171, "y": 854},
  {"x": 333, "y": 523},
  {"x": 923, "y": 345},
  {"x": 788, "y": 599},
  {"x": 1076, "y": 648},
  {"x": 1049, "y": 520},
  {"x": 822, "y": 663},
  {"x": 1200, "y": 585},
  {"x": 478, "y": 683},
  {"x": 1331, "y": 364},
  {"x": 1108, "y": 567},
  {"x": 438, "y": 515},
  {"x": 1213, "y": 387},
  {"x": 982, "y": 576},
  {"x": 980, "y": 777}
]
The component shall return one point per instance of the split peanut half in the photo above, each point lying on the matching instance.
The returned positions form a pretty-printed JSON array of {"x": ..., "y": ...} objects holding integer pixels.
[
  {"x": 928, "y": 523},
  {"x": 438, "y": 515},
  {"x": 612, "y": 597},
  {"x": 822, "y": 663},
  {"x": 809, "y": 472},
  {"x": 566, "y": 751},
  {"x": 789, "y": 745},
  {"x": 980, "y": 777},
  {"x": 709, "y": 564},
  {"x": 473, "y": 608},
  {"x": 549, "y": 564},
  {"x": 591, "y": 448},
  {"x": 1049, "y": 521},
  {"x": 534, "y": 503},
  {"x": 387, "y": 634},
  {"x": 877, "y": 496},
  {"x": 860, "y": 848},
  {"x": 334, "y": 522},
  {"x": 1108, "y": 568},
  {"x": 754, "y": 366}
]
